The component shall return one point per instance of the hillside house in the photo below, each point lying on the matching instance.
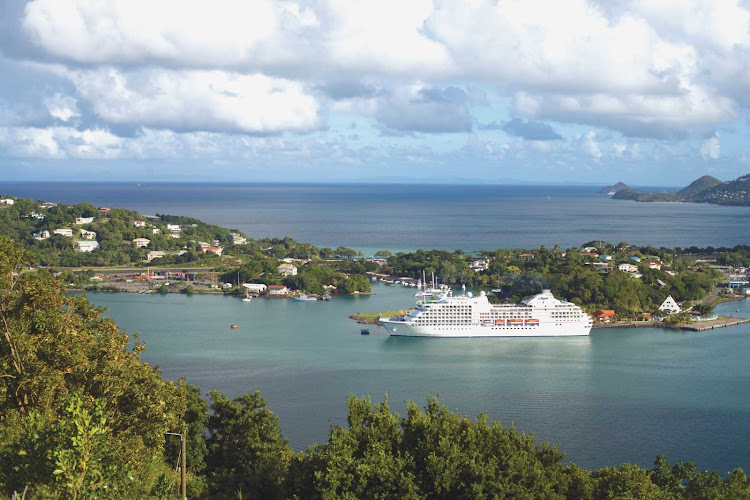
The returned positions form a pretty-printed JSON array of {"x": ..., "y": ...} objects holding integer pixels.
[
  {"x": 653, "y": 265},
  {"x": 7, "y": 201},
  {"x": 88, "y": 235},
  {"x": 139, "y": 223},
  {"x": 43, "y": 235},
  {"x": 141, "y": 242},
  {"x": 86, "y": 246},
  {"x": 287, "y": 269},
  {"x": 104, "y": 210},
  {"x": 212, "y": 249},
  {"x": 155, "y": 230},
  {"x": 627, "y": 268},
  {"x": 669, "y": 306},
  {"x": 527, "y": 256},
  {"x": 155, "y": 254},
  {"x": 605, "y": 257},
  {"x": 64, "y": 231},
  {"x": 236, "y": 239},
  {"x": 175, "y": 228},
  {"x": 47, "y": 205},
  {"x": 84, "y": 220}
]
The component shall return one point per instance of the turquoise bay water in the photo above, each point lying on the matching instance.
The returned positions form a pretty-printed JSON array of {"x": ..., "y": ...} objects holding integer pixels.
[{"x": 620, "y": 395}]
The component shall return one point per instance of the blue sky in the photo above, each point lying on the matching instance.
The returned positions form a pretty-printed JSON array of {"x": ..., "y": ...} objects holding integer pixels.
[{"x": 651, "y": 92}]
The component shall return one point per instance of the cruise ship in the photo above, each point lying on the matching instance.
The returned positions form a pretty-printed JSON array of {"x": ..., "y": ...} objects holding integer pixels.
[{"x": 473, "y": 316}]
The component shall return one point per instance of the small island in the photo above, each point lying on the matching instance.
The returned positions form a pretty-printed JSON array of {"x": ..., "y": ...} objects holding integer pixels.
[{"x": 706, "y": 189}]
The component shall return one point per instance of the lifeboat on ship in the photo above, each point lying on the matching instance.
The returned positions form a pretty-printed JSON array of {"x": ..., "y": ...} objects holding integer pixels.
[{"x": 532, "y": 322}]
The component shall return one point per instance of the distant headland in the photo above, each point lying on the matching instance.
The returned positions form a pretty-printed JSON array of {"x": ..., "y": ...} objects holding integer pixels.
[{"x": 706, "y": 189}]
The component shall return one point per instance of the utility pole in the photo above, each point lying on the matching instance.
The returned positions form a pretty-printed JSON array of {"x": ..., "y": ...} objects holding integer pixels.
[{"x": 183, "y": 461}]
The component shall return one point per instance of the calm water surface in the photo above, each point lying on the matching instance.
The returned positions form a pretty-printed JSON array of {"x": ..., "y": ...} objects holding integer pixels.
[
  {"x": 620, "y": 395},
  {"x": 401, "y": 217}
]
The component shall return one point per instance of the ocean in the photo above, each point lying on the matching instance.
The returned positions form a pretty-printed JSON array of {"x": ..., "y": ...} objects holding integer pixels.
[{"x": 401, "y": 217}]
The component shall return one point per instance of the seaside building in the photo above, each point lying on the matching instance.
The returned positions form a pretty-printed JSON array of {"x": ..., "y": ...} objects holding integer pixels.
[
  {"x": 141, "y": 242},
  {"x": 604, "y": 315},
  {"x": 669, "y": 306},
  {"x": 64, "y": 231},
  {"x": 277, "y": 290},
  {"x": 255, "y": 287},
  {"x": 86, "y": 246},
  {"x": 287, "y": 269}
]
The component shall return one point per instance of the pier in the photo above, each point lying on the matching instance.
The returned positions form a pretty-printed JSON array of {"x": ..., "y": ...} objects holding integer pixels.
[{"x": 721, "y": 322}]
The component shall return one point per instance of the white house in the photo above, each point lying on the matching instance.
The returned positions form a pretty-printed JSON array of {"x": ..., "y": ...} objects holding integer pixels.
[
  {"x": 6, "y": 201},
  {"x": 236, "y": 239},
  {"x": 141, "y": 242},
  {"x": 42, "y": 235},
  {"x": 36, "y": 215},
  {"x": 653, "y": 265},
  {"x": 480, "y": 265},
  {"x": 64, "y": 231},
  {"x": 155, "y": 254},
  {"x": 669, "y": 306},
  {"x": 277, "y": 290},
  {"x": 155, "y": 230},
  {"x": 287, "y": 270},
  {"x": 46, "y": 205},
  {"x": 255, "y": 287},
  {"x": 139, "y": 223},
  {"x": 590, "y": 249},
  {"x": 628, "y": 268},
  {"x": 86, "y": 245},
  {"x": 88, "y": 235},
  {"x": 84, "y": 220},
  {"x": 174, "y": 227}
]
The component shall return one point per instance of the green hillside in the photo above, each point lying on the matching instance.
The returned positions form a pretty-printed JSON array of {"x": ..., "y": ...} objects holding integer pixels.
[{"x": 698, "y": 186}]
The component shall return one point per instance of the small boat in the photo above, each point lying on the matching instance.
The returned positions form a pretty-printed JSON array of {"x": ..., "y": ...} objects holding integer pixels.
[
  {"x": 233, "y": 327},
  {"x": 247, "y": 298},
  {"x": 364, "y": 331}
]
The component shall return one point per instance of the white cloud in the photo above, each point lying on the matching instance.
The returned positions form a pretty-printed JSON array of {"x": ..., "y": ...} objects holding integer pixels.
[
  {"x": 590, "y": 145},
  {"x": 61, "y": 107},
  {"x": 711, "y": 148},
  {"x": 59, "y": 142},
  {"x": 197, "y": 100}
]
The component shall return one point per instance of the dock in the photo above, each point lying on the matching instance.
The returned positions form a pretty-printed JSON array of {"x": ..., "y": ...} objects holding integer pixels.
[{"x": 721, "y": 322}]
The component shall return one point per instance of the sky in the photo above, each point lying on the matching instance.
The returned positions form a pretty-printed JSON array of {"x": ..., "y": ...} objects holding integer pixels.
[{"x": 649, "y": 92}]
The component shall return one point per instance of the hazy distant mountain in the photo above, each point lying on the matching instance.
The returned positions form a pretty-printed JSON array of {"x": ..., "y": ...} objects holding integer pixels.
[
  {"x": 707, "y": 189},
  {"x": 614, "y": 189}
]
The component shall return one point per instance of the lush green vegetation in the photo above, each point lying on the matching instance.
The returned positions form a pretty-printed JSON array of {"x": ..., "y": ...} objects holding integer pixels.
[
  {"x": 573, "y": 274},
  {"x": 81, "y": 416}
]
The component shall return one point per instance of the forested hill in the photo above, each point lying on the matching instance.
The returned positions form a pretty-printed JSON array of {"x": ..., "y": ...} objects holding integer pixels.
[{"x": 706, "y": 189}]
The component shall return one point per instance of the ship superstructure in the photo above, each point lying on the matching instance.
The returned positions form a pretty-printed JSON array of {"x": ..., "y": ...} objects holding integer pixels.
[{"x": 473, "y": 316}]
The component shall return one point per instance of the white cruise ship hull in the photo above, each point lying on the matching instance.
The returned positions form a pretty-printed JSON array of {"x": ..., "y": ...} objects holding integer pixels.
[{"x": 398, "y": 328}]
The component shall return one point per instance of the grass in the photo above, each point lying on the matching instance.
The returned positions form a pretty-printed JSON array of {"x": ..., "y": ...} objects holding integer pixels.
[{"x": 376, "y": 315}]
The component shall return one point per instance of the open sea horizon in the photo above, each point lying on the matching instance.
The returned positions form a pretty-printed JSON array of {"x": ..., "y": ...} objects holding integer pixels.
[{"x": 406, "y": 217}]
